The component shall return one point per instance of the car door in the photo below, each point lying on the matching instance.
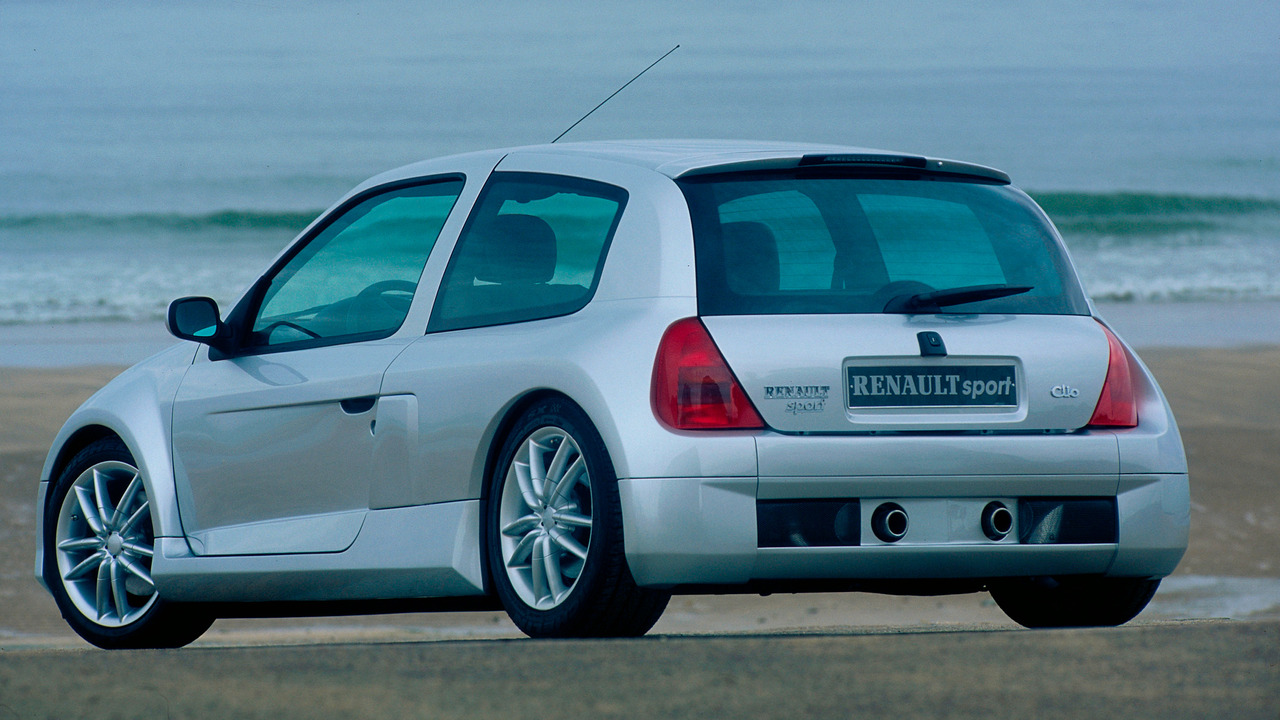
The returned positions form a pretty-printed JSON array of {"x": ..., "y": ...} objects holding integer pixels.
[{"x": 274, "y": 443}]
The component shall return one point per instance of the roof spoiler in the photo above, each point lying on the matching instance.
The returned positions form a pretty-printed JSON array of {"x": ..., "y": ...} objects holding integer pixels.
[
  {"x": 884, "y": 161},
  {"x": 914, "y": 162}
]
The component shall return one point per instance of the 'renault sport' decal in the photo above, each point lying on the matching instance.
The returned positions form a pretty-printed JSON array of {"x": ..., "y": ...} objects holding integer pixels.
[
  {"x": 801, "y": 399},
  {"x": 960, "y": 386}
]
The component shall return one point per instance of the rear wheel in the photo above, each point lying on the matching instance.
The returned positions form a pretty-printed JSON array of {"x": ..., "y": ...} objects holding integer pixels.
[
  {"x": 1073, "y": 601},
  {"x": 554, "y": 533},
  {"x": 99, "y": 543}
]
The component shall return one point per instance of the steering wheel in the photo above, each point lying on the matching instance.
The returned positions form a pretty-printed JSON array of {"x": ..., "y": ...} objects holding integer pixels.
[{"x": 266, "y": 331}]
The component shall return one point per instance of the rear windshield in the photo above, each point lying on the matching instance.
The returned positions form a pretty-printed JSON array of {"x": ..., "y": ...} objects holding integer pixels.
[{"x": 791, "y": 243}]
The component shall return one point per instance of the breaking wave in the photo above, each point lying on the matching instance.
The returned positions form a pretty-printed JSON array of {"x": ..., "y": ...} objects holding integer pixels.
[
  {"x": 149, "y": 223},
  {"x": 1143, "y": 215},
  {"x": 1135, "y": 247}
]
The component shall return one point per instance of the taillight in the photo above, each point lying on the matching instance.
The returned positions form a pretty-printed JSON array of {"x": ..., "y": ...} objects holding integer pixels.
[
  {"x": 1117, "y": 406},
  {"x": 693, "y": 387}
]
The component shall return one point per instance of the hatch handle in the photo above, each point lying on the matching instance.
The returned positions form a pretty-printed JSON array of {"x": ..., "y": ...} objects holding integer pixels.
[{"x": 931, "y": 344}]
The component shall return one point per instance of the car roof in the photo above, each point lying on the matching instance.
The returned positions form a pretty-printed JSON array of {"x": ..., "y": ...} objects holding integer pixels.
[{"x": 683, "y": 158}]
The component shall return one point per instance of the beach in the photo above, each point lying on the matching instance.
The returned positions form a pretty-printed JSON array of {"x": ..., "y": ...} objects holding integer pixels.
[
  {"x": 1224, "y": 392},
  {"x": 160, "y": 150}
]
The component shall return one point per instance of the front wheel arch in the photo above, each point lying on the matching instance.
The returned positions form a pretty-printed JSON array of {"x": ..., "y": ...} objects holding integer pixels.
[
  {"x": 71, "y": 447},
  {"x": 79, "y": 440}
]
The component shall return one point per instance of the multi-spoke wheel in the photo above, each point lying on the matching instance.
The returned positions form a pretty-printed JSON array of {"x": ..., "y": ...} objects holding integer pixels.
[
  {"x": 555, "y": 532},
  {"x": 98, "y": 552},
  {"x": 104, "y": 545},
  {"x": 545, "y": 517}
]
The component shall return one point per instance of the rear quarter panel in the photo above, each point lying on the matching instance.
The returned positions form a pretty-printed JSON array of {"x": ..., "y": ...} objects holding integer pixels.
[{"x": 469, "y": 383}]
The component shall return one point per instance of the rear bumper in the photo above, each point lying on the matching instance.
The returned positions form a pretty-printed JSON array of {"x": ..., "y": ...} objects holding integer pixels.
[{"x": 700, "y": 531}]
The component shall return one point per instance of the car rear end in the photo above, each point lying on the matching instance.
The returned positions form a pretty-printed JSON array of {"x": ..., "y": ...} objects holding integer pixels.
[{"x": 930, "y": 396}]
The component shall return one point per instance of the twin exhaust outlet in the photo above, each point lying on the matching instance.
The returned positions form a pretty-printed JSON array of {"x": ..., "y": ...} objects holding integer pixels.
[{"x": 890, "y": 522}]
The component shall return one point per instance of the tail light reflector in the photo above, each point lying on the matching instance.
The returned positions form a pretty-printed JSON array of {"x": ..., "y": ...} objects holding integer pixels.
[
  {"x": 1117, "y": 406},
  {"x": 693, "y": 387}
]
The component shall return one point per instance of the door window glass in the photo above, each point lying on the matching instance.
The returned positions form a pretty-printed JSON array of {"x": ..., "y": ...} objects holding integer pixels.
[{"x": 355, "y": 278}]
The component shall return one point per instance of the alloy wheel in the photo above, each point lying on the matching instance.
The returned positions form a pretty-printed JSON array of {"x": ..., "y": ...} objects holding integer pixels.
[
  {"x": 545, "y": 518},
  {"x": 104, "y": 545}
]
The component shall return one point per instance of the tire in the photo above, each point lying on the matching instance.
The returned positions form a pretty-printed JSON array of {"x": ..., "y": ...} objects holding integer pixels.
[
  {"x": 1047, "y": 602},
  {"x": 99, "y": 541},
  {"x": 553, "y": 532}
]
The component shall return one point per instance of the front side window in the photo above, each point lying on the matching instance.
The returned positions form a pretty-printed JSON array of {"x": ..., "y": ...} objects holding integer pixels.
[
  {"x": 782, "y": 243},
  {"x": 533, "y": 248},
  {"x": 355, "y": 278}
]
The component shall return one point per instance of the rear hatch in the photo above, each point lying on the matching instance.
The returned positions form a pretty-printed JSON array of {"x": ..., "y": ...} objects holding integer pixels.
[
  {"x": 867, "y": 373},
  {"x": 864, "y": 296}
]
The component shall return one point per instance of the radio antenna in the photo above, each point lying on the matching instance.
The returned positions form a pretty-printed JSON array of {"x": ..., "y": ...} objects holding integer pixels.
[{"x": 615, "y": 92}]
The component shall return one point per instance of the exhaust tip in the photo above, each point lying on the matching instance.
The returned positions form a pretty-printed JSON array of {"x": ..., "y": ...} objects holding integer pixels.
[
  {"x": 890, "y": 522},
  {"x": 997, "y": 521}
]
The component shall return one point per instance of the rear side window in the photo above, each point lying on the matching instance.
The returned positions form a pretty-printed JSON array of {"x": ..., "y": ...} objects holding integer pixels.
[
  {"x": 533, "y": 248},
  {"x": 786, "y": 243}
]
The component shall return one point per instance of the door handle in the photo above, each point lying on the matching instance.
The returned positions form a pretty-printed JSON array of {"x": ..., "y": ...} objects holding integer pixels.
[{"x": 358, "y": 406}]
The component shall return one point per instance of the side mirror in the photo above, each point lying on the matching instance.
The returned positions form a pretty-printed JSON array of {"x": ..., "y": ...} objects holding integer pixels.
[{"x": 197, "y": 319}]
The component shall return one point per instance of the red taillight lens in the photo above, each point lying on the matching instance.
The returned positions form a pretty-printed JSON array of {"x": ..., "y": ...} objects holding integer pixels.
[
  {"x": 693, "y": 387},
  {"x": 1117, "y": 406}
]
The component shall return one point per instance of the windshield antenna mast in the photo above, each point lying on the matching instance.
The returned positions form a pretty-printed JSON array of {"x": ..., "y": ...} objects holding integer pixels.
[{"x": 615, "y": 92}]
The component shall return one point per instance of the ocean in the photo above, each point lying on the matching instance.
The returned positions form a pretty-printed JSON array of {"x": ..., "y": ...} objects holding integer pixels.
[{"x": 150, "y": 150}]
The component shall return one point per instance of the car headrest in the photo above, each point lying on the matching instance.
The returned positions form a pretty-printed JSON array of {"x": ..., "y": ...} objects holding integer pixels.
[
  {"x": 750, "y": 257},
  {"x": 516, "y": 249}
]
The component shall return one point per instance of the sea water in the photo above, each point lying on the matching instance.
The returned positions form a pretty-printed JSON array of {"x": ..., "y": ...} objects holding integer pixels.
[{"x": 150, "y": 150}]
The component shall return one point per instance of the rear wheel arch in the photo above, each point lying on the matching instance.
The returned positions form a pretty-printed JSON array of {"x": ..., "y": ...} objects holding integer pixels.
[
  {"x": 508, "y": 422},
  {"x": 598, "y": 595}
]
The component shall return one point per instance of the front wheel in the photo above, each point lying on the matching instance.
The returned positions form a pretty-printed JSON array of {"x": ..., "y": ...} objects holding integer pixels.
[
  {"x": 99, "y": 542},
  {"x": 1045, "y": 602},
  {"x": 554, "y": 535}
]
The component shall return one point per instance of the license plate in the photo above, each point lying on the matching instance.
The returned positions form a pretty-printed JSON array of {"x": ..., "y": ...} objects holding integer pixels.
[{"x": 895, "y": 386}]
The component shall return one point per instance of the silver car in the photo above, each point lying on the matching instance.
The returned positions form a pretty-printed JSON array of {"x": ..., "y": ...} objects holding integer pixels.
[{"x": 572, "y": 380}]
